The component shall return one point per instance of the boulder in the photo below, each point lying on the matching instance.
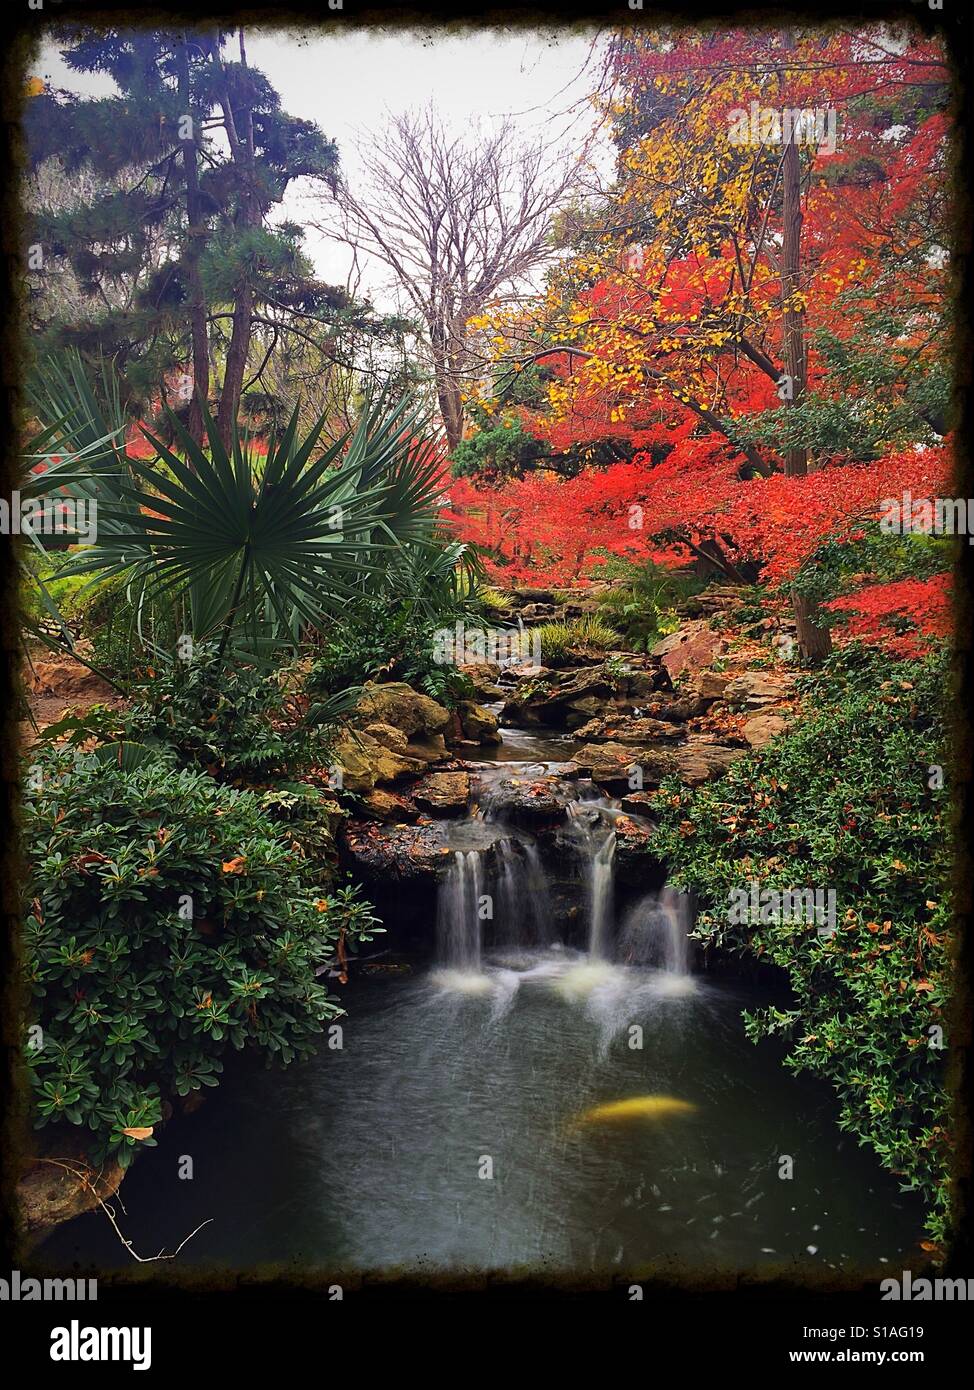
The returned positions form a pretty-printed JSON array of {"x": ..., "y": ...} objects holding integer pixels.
[
  {"x": 364, "y": 761},
  {"x": 756, "y": 689},
  {"x": 583, "y": 710},
  {"x": 611, "y": 764},
  {"x": 428, "y": 750},
  {"x": 519, "y": 597},
  {"x": 691, "y": 648},
  {"x": 527, "y": 802},
  {"x": 762, "y": 728},
  {"x": 675, "y": 709},
  {"x": 422, "y": 853},
  {"x": 483, "y": 675},
  {"x": 638, "y": 684},
  {"x": 66, "y": 677},
  {"x": 575, "y": 695},
  {"x": 389, "y": 808},
  {"x": 478, "y": 724},
  {"x": 398, "y": 704},
  {"x": 443, "y": 793},
  {"x": 710, "y": 685},
  {"x": 633, "y": 839},
  {"x": 389, "y": 736},
  {"x": 627, "y": 728},
  {"x": 398, "y": 853},
  {"x": 699, "y": 761}
]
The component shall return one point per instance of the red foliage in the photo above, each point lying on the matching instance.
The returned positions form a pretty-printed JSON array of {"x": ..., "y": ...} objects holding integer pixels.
[
  {"x": 544, "y": 529},
  {"x": 902, "y": 616}
]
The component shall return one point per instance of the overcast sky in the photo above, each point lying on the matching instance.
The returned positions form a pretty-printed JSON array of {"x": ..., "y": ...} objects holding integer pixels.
[{"x": 349, "y": 81}]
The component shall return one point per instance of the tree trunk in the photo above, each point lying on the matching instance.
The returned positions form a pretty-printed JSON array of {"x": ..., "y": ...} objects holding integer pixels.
[
  {"x": 242, "y": 153},
  {"x": 196, "y": 232},
  {"x": 236, "y": 364},
  {"x": 814, "y": 640},
  {"x": 447, "y": 390}
]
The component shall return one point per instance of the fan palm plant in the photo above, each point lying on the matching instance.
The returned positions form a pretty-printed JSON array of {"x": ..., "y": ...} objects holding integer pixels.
[
  {"x": 77, "y": 453},
  {"x": 261, "y": 547}
]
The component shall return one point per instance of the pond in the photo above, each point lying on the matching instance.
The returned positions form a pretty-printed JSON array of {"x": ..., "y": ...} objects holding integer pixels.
[
  {"x": 553, "y": 1091},
  {"x": 450, "y": 1131}
]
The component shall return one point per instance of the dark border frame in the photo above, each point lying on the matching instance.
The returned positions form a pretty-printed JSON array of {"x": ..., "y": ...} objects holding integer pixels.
[{"x": 132, "y": 1293}]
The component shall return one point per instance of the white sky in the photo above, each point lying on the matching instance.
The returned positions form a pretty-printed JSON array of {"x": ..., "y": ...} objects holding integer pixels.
[{"x": 348, "y": 82}]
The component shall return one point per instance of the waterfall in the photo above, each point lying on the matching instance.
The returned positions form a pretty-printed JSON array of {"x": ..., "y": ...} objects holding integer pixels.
[
  {"x": 508, "y": 914},
  {"x": 656, "y": 932},
  {"x": 538, "y": 894},
  {"x": 597, "y": 846},
  {"x": 601, "y": 894},
  {"x": 523, "y": 903},
  {"x": 458, "y": 922}
]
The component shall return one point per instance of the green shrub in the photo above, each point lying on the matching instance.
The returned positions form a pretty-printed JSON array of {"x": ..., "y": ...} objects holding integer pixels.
[
  {"x": 230, "y": 720},
  {"x": 492, "y": 601},
  {"x": 847, "y": 801},
  {"x": 380, "y": 640},
  {"x": 559, "y": 640},
  {"x": 169, "y": 918},
  {"x": 838, "y": 564},
  {"x": 642, "y": 606}
]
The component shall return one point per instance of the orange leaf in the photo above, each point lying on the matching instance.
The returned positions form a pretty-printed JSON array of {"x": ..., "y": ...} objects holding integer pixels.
[
  {"x": 139, "y": 1132},
  {"x": 235, "y": 865}
]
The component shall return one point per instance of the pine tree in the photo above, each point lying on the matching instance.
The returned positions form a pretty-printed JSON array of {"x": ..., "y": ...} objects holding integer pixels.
[{"x": 157, "y": 249}]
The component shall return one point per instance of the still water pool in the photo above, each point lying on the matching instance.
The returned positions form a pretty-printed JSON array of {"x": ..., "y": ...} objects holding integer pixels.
[{"x": 454, "y": 1129}]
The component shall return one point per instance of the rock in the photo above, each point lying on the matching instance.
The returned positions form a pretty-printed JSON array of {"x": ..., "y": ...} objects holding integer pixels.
[
  {"x": 389, "y": 808},
  {"x": 400, "y": 854},
  {"x": 519, "y": 597},
  {"x": 755, "y": 689},
  {"x": 638, "y": 803},
  {"x": 526, "y": 802},
  {"x": 389, "y": 736},
  {"x": 642, "y": 683},
  {"x": 674, "y": 708},
  {"x": 478, "y": 724},
  {"x": 698, "y": 761},
  {"x": 364, "y": 762},
  {"x": 443, "y": 793},
  {"x": 577, "y": 694},
  {"x": 483, "y": 675},
  {"x": 403, "y": 707},
  {"x": 627, "y": 729},
  {"x": 633, "y": 838},
  {"x": 583, "y": 710},
  {"x": 66, "y": 677},
  {"x": 612, "y": 764},
  {"x": 691, "y": 648},
  {"x": 48, "y": 1195},
  {"x": 762, "y": 728},
  {"x": 710, "y": 685},
  {"x": 428, "y": 750}
]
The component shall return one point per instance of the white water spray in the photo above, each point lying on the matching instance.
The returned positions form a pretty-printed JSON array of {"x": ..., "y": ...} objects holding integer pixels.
[
  {"x": 656, "y": 932},
  {"x": 597, "y": 847},
  {"x": 458, "y": 916}
]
